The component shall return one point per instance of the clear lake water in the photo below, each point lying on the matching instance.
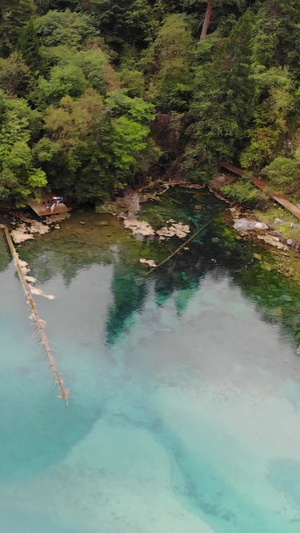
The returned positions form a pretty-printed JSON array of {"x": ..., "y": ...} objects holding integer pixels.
[{"x": 184, "y": 414}]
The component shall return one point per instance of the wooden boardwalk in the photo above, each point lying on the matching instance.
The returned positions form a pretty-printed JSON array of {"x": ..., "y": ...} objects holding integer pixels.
[
  {"x": 279, "y": 198},
  {"x": 41, "y": 209}
]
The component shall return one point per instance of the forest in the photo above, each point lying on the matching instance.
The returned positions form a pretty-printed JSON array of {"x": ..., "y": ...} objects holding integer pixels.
[{"x": 98, "y": 95}]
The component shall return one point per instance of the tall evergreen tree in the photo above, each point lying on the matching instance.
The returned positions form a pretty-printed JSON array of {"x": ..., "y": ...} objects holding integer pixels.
[
  {"x": 277, "y": 36},
  {"x": 29, "y": 46},
  {"x": 44, "y": 5},
  {"x": 125, "y": 21},
  {"x": 14, "y": 15},
  {"x": 223, "y": 102}
]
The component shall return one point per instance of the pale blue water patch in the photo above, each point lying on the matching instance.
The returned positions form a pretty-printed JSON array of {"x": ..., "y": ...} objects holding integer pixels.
[
  {"x": 31, "y": 419},
  {"x": 187, "y": 420}
]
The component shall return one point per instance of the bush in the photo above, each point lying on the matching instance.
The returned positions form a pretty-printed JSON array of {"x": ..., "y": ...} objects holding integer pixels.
[
  {"x": 65, "y": 27},
  {"x": 243, "y": 192},
  {"x": 282, "y": 171}
]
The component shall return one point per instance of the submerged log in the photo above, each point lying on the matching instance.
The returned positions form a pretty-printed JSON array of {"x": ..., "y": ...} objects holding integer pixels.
[
  {"x": 180, "y": 247},
  {"x": 64, "y": 393}
]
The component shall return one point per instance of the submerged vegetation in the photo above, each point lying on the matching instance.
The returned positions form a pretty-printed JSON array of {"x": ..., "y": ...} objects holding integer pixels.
[
  {"x": 87, "y": 239},
  {"x": 97, "y": 95}
]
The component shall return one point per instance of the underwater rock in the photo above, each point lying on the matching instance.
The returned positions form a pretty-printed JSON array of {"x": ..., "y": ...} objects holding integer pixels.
[
  {"x": 149, "y": 262},
  {"x": 139, "y": 227},
  {"x": 175, "y": 230}
]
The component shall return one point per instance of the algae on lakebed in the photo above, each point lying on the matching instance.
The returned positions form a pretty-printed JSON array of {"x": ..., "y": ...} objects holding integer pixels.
[
  {"x": 87, "y": 238},
  {"x": 4, "y": 253}
]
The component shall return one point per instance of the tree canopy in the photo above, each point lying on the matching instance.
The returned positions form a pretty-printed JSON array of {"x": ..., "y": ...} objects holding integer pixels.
[{"x": 96, "y": 95}]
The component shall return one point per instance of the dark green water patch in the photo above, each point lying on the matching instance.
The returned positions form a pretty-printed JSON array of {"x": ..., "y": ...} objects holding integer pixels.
[{"x": 4, "y": 253}]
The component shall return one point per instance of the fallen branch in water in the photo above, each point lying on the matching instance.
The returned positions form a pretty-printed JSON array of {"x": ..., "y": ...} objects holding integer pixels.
[
  {"x": 65, "y": 393},
  {"x": 180, "y": 247}
]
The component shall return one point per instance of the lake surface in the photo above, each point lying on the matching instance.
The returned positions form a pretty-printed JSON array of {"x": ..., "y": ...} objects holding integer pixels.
[{"x": 185, "y": 385}]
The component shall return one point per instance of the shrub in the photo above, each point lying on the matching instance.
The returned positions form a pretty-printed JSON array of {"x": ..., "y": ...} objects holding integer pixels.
[
  {"x": 243, "y": 192},
  {"x": 282, "y": 171}
]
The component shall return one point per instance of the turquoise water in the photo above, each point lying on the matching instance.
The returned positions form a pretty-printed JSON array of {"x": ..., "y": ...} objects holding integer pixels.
[{"x": 185, "y": 388}]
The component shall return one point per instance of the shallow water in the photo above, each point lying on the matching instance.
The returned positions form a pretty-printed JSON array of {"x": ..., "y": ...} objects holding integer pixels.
[{"x": 185, "y": 385}]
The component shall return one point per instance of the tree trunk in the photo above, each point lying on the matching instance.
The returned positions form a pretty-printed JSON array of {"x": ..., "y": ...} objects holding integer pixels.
[{"x": 208, "y": 14}]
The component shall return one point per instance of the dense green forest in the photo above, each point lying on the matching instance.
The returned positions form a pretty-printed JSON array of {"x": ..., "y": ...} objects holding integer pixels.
[{"x": 96, "y": 95}]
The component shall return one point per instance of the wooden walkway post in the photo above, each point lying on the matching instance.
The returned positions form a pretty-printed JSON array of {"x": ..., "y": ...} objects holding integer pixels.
[{"x": 65, "y": 393}]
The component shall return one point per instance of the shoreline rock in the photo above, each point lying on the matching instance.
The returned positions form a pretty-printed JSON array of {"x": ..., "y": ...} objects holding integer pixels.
[
  {"x": 244, "y": 224},
  {"x": 26, "y": 232}
]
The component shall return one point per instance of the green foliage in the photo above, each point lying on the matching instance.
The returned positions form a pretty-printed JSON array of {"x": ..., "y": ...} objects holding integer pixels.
[
  {"x": 65, "y": 27},
  {"x": 45, "y": 5},
  {"x": 282, "y": 171},
  {"x": 67, "y": 79},
  {"x": 15, "y": 75},
  {"x": 277, "y": 36},
  {"x": 96, "y": 72},
  {"x": 14, "y": 122},
  {"x": 225, "y": 14},
  {"x": 92, "y": 64},
  {"x": 72, "y": 73},
  {"x": 169, "y": 60},
  {"x": 122, "y": 21},
  {"x": 18, "y": 176},
  {"x": 134, "y": 82},
  {"x": 94, "y": 145},
  {"x": 275, "y": 100},
  {"x": 243, "y": 192},
  {"x": 223, "y": 102},
  {"x": 135, "y": 108},
  {"x": 29, "y": 46},
  {"x": 18, "y": 166},
  {"x": 14, "y": 15}
]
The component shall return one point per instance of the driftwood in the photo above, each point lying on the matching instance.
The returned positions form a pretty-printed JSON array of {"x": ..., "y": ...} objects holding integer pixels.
[
  {"x": 65, "y": 393},
  {"x": 180, "y": 247},
  {"x": 150, "y": 184}
]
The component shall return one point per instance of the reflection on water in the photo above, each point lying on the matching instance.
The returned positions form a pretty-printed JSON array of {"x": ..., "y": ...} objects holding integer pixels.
[
  {"x": 88, "y": 239},
  {"x": 185, "y": 384}
]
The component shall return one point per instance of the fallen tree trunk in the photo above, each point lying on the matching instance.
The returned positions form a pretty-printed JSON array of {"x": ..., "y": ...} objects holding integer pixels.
[
  {"x": 65, "y": 393},
  {"x": 180, "y": 247}
]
